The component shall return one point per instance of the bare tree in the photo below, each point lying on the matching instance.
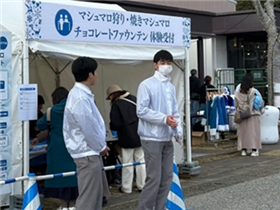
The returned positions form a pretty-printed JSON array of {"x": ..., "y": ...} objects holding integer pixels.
[{"x": 267, "y": 18}]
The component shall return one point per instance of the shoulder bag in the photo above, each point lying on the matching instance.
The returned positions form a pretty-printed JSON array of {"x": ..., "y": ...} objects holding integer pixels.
[
  {"x": 247, "y": 113},
  {"x": 132, "y": 102},
  {"x": 242, "y": 115}
]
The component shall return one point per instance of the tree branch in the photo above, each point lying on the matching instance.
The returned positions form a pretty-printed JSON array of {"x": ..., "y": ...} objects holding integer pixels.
[
  {"x": 264, "y": 18},
  {"x": 269, "y": 7}
]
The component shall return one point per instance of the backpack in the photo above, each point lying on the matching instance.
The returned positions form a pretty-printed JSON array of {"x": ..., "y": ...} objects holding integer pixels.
[{"x": 258, "y": 102}]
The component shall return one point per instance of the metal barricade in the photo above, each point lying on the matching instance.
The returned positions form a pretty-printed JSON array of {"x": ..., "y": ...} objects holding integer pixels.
[
  {"x": 232, "y": 77},
  {"x": 229, "y": 77},
  {"x": 259, "y": 77}
]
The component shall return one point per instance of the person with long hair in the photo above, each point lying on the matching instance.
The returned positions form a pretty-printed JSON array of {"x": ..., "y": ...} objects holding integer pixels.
[
  {"x": 33, "y": 130},
  {"x": 58, "y": 158},
  {"x": 249, "y": 129}
]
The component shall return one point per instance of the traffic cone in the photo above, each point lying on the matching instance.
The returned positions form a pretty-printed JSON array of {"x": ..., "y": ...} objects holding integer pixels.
[
  {"x": 175, "y": 198},
  {"x": 31, "y": 199}
]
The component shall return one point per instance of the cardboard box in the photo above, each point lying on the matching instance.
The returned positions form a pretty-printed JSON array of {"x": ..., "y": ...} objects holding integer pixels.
[{"x": 198, "y": 138}]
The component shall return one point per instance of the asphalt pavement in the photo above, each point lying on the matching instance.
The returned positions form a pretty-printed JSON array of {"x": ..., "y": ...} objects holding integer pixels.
[
  {"x": 258, "y": 194},
  {"x": 223, "y": 174},
  {"x": 227, "y": 181}
]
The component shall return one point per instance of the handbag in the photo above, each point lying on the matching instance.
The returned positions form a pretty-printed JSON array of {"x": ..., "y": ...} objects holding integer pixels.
[
  {"x": 247, "y": 113},
  {"x": 239, "y": 116}
]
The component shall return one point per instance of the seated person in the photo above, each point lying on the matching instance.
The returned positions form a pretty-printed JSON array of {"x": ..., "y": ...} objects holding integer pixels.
[{"x": 33, "y": 130}]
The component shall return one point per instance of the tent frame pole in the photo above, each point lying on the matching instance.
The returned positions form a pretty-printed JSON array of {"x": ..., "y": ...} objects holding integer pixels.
[
  {"x": 26, "y": 122},
  {"x": 25, "y": 76},
  {"x": 187, "y": 108},
  {"x": 188, "y": 167}
]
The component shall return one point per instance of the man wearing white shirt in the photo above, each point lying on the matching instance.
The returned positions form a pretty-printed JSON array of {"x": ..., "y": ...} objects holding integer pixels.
[
  {"x": 159, "y": 121},
  {"x": 85, "y": 134}
]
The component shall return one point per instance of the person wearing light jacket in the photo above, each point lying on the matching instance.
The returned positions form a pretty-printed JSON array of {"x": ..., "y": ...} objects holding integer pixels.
[
  {"x": 85, "y": 134},
  {"x": 249, "y": 130},
  {"x": 159, "y": 121}
]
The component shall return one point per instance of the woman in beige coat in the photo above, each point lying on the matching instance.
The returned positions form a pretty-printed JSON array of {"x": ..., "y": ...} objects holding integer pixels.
[{"x": 249, "y": 132}]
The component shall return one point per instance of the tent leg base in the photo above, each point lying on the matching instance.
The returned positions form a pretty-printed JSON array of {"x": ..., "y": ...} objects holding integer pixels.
[{"x": 191, "y": 168}]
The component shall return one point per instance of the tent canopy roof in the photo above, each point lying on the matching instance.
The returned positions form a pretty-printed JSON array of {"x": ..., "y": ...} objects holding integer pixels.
[{"x": 13, "y": 10}]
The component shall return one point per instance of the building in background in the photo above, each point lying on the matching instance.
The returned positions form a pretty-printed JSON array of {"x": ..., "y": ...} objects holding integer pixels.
[
  {"x": 216, "y": 6},
  {"x": 223, "y": 39}
]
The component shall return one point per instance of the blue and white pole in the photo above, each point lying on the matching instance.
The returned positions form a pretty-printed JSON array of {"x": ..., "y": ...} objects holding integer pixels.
[
  {"x": 175, "y": 198},
  {"x": 71, "y": 173},
  {"x": 31, "y": 199}
]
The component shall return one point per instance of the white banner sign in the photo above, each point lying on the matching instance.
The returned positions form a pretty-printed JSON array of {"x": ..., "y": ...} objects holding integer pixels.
[
  {"x": 27, "y": 102},
  {"x": 5, "y": 109},
  {"x": 48, "y": 21}
]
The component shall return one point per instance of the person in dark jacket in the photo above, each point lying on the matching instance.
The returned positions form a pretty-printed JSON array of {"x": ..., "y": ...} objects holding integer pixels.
[
  {"x": 124, "y": 120},
  {"x": 194, "y": 93},
  {"x": 202, "y": 92},
  {"x": 58, "y": 158},
  {"x": 33, "y": 130}
]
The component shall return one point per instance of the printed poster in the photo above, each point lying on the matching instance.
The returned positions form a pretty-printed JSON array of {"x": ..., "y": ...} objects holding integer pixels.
[{"x": 5, "y": 109}]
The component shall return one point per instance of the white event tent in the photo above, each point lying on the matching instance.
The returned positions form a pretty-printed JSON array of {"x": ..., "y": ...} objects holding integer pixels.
[{"x": 48, "y": 64}]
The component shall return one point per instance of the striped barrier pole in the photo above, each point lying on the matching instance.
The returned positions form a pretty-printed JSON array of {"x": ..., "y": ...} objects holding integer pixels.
[
  {"x": 71, "y": 173},
  {"x": 51, "y": 176},
  {"x": 8, "y": 181},
  {"x": 122, "y": 165},
  {"x": 31, "y": 200},
  {"x": 175, "y": 198}
]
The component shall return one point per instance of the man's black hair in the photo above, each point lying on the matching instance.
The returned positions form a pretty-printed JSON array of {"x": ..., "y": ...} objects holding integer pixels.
[
  {"x": 193, "y": 72},
  {"x": 41, "y": 100},
  {"x": 163, "y": 55},
  {"x": 82, "y": 66}
]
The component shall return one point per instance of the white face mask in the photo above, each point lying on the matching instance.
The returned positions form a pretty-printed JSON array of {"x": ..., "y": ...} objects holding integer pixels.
[{"x": 165, "y": 69}]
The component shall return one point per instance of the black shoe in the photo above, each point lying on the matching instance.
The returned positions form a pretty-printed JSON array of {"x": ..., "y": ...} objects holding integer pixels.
[
  {"x": 139, "y": 190},
  {"x": 120, "y": 189},
  {"x": 104, "y": 201}
]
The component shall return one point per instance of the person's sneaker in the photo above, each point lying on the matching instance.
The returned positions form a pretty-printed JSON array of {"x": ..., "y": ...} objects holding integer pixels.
[
  {"x": 244, "y": 153},
  {"x": 255, "y": 153},
  {"x": 72, "y": 208},
  {"x": 120, "y": 190}
]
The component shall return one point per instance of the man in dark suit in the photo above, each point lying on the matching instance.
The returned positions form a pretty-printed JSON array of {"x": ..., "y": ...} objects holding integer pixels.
[{"x": 194, "y": 93}]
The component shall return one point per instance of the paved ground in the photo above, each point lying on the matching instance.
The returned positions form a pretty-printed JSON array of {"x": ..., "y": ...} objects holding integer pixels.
[
  {"x": 259, "y": 194},
  {"x": 226, "y": 178},
  {"x": 221, "y": 167}
]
